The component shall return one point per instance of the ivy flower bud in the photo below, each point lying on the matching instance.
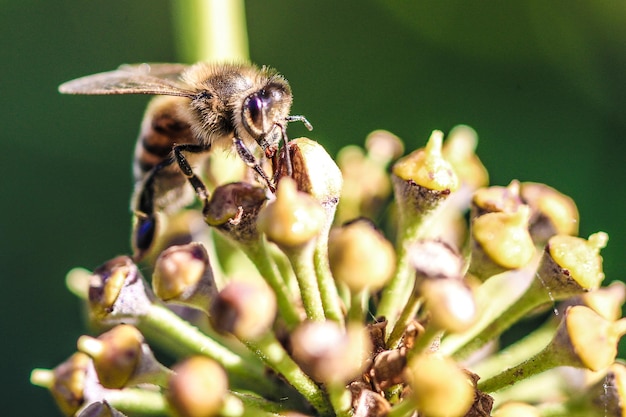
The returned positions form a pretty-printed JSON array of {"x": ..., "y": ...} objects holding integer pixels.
[
  {"x": 496, "y": 199},
  {"x": 383, "y": 147},
  {"x": 500, "y": 242},
  {"x": 183, "y": 275},
  {"x": 450, "y": 302},
  {"x": 360, "y": 256},
  {"x": 66, "y": 382},
  {"x": 328, "y": 353},
  {"x": 577, "y": 258},
  {"x": 121, "y": 358},
  {"x": 439, "y": 387},
  {"x": 584, "y": 339},
  {"x": 366, "y": 183},
  {"x": 606, "y": 301},
  {"x": 314, "y": 172},
  {"x": 244, "y": 309},
  {"x": 117, "y": 292},
  {"x": 588, "y": 338},
  {"x": 293, "y": 219},
  {"x": 427, "y": 168},
  {"x": 459, "y": 149},
  {"x": 197, "y": 388},
  {"x": 552, "y": 212},
  {"x": 233, "y": 210}
]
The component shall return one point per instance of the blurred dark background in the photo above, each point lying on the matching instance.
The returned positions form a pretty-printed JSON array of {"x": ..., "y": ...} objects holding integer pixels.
[{"x": 543, "y": 83}]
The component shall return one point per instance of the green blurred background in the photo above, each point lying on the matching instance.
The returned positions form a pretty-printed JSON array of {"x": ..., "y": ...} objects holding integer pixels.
[{"x": 543, "y": 83}]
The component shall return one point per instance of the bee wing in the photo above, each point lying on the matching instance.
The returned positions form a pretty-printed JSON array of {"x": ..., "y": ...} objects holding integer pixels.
[{"x": 156, "y": 79}]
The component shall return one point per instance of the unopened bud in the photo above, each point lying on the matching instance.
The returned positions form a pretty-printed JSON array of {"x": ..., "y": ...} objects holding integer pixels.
[
  {"x": 360, "y": 256},
  {"x": 578, "y": 258},
  {"x": 427, "y": 168},
  {"x": 233, "y": 209},
  {"x": 459, "y": 149},
  {"x": 244, "y": 309},
  {"x": 496, "y": 199},
  {"x": 121, "y": 358},
  {"x": 553, "y": 213},
  {"x": 197, "y": 388},
  {"x": 439, "y": 387},
  {"x": 66, "y": 382},
  {"x": 328, "y": 353},
  {"x": 183, "y": 274},
  {"x": 501, "y": 242},
  {"x": 117, "y": 292},
  {"x": 450, "y": 303},
  {"x": 588, "y": 338},
  {"x": 294, "y": 218}
]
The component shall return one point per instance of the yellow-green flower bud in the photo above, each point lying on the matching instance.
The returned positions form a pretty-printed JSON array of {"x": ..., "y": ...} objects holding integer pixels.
[
  {"x": 244, "y": 309},
  {"x": 115, "y": 354},
  {"x": 459, "y": 149},
  {"x": 293, "y": 218},
  {"x": 427, "y": 168},
  {"x": 439, "y": 387},
  {"x": 501, "y": 242},
  {"x": 552, "y": 212},
  {"x": 496, "y": 199},
  {"x": 360, "y": 256},
  {"x": 328, "y": 353},
  {"x": 590, "y": 339},
  {"x": 183, "y": 274},
  {"x": 67, "y": 382},
  {"x": 450, "y": 303},
  {"x": 197, "y": 388},
  {"x": 580, "y": 257},
  {"x": 233, "y": 210}
]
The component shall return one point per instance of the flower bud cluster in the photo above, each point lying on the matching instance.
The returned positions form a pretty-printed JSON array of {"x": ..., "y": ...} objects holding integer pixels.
[{"x": 320, "y": 299}]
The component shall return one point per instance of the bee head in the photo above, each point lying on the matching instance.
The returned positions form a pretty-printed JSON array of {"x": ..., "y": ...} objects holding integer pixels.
[{"x": 265, "y": 111}]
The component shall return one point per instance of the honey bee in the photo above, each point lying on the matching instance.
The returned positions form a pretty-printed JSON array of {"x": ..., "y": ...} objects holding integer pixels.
[{"x": 202, "y": 106}]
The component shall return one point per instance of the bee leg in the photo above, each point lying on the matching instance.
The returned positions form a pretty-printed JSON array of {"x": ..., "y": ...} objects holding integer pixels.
[
  {"x": 252, "y": 162},
  {"x": 184, "y": 166},
  {"x": 145, "y": 225}
]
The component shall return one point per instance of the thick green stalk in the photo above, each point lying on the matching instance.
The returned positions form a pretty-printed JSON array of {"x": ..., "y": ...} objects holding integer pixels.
[{"x": 211, "y": 30}]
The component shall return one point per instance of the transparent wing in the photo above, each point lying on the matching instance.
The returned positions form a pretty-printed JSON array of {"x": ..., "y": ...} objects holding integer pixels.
[{"x": 157, "y": 79}]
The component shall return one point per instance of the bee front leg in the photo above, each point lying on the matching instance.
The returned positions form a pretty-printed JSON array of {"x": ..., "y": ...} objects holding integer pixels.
[{"x": 249, "y": 159}]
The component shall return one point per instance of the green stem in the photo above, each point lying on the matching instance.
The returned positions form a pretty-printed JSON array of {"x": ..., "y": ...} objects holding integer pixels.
[
  {"x": 517, "y": 352},
  {"x": 407, "y": 314},
  {"x": 274, "y": 355},
  {"x": 171, "y": 330},
  {"x": 301, "y": 259},
  {"x": 535, "y": 295},
  {"x": 357, "y": 303},
  {"x": 544, "y": 360},
  {"x": 325, "y": 281},
  {"x": 137, "y": 401},
  {"x": 341, "y": 399},
  {"x": 424, "y": 341},
  {"x": 260, "y": 257},
  {"x": 395, "y": 295},
  {"x": 404, "y": 408},
  {"x": 211, "y": 30}
]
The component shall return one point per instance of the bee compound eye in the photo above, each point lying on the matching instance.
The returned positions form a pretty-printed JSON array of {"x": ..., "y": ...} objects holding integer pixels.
[{"x": 253, "y": 111}]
